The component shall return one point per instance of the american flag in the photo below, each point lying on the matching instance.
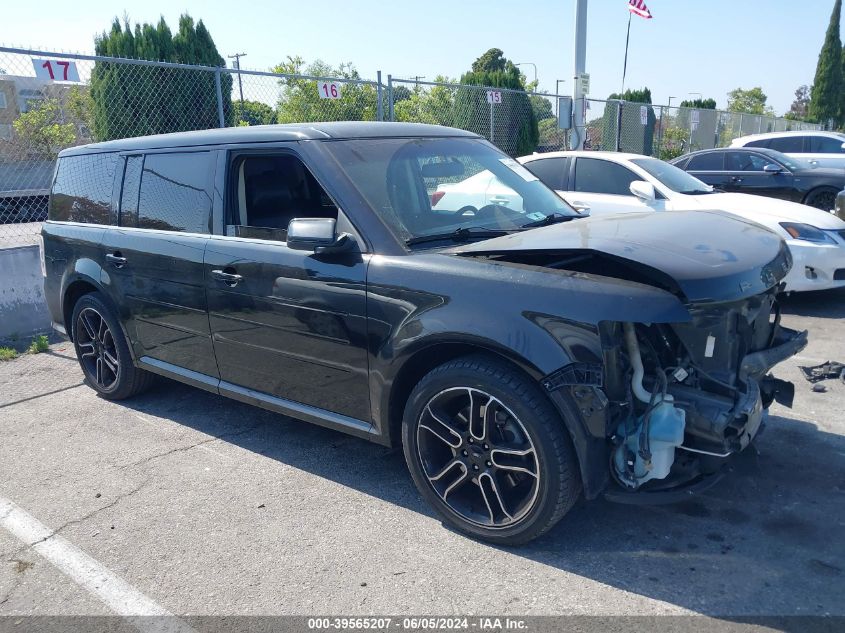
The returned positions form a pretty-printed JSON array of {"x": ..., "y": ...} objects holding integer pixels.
[{"x": 637, "y": 7}]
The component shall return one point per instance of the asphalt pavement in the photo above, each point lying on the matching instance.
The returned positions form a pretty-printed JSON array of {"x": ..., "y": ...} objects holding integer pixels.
[{"x": 193, "y": 504}]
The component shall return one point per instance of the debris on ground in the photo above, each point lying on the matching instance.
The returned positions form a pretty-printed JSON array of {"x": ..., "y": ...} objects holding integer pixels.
[{"x": 829, "y": 370}]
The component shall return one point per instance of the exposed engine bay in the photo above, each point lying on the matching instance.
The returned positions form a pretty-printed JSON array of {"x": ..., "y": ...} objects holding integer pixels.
[{"x": 683, "y": 397}]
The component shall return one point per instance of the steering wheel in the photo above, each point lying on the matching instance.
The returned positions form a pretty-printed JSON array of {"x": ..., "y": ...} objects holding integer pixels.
[{"x": 487, "y": 209}]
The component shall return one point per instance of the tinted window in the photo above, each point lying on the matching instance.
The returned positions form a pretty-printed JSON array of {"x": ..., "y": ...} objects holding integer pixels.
[
  {"x": 793, "y": 144},
  {"x": 550, "y": 171},
  {"x": 130, "y": 190},
  {"x": 83, "y": 189},
  {"x": 748, "y": 161},
  {"x": 593, "y": 175},
  {"x": 825, "y": 145},
  {"x": 175, "y": 192},
  {"x": 271, "y": 191},
  {"x": 761, "y": 143},
  {"x": 714, "y": 161}
]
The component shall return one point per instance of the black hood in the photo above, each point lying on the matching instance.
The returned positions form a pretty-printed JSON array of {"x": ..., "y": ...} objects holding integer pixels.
[{"x": 701, "y": 256}]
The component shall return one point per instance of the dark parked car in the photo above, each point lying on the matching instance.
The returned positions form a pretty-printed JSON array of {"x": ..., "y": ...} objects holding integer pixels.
[
  {"x": 520, "y": 355},
  {"x": 765, "y": 172}
]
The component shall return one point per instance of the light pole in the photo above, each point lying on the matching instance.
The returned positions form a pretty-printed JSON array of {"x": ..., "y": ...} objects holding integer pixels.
[
  {"x": 535, "y": 70},
  {"x": 237, "y": 58},
  {"x": 579, "y": 128},
  {"x": 669, "y": 105}
]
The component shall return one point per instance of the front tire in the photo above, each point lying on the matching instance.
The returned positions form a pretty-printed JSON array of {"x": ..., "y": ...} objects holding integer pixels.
[
  {"x": 103, "y": 352},
  {"x": 488, "y": 451}
]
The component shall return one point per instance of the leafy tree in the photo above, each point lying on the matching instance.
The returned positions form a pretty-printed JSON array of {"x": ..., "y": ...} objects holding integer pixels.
[
  {"x": 493, "y": 61},
  {"x": 131, "y": 100},
  {"x": 513, "y": 121},
  {"x": 43, "y": 130},
  {"x": 400, "y": 93},
  {"x": 800, "y": 108},
  {"x": 542, "y": 108},
  {"x": 254, "y": 113},
  {"x": 827, "y": 91},
  {"x": 699, "y": 104},
  {"x": 551, "y": 136},
  {"x": 434, "y": 105},
  {"x": 751, "y": 101},
  {"x": 300, "y": 99}
]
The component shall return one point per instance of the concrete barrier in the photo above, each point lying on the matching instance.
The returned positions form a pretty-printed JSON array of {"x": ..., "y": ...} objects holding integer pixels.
[{"x": 23, "y": 309}]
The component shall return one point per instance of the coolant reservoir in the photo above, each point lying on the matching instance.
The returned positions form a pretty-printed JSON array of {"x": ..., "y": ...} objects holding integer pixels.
[{"x": 665, "y": 433}]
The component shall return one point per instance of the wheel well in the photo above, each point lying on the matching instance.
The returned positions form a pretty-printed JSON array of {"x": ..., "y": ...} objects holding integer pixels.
[
  {"x": 816, "y": 190},
  {"x": 418, "y": 366},
  {"x": 74, "y": 292}
]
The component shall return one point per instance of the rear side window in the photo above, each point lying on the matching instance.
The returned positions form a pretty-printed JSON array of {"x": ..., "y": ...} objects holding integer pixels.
[
  {"x": 551, "y": 171},
  {"x": 175, "y": 192},
  {"x": 83, "y": 188},
  {"x": 714, "y": 161},
  {"x": 593, "y": 175},
  {"x": 787, "y": 144}
]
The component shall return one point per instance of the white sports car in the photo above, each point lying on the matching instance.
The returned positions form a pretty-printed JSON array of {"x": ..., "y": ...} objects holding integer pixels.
[{"x": 610, "y": 182}]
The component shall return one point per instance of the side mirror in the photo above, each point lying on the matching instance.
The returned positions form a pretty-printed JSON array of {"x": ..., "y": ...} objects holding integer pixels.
[
  {"x": 771, "y": 168},
  {"x": 317, "y": 235},
  {"x": 843, "y": 146},
  {"x": 643, "y": 190}
]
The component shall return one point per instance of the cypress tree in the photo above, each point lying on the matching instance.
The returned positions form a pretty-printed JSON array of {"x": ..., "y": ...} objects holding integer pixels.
[
  {"x": 515, "y": 128},
  {"x": 130, "y": 100},
  {"x": 826, "y": 96}
]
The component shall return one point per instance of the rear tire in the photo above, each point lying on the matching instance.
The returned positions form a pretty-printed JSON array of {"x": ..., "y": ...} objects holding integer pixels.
[
  {"x": 489, "y": 452},
  {"x": 103, "y": 352},
  {"x": 823, "y": 198}
]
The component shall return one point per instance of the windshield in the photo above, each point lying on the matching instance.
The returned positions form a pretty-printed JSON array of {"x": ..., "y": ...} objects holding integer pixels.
[
  {"x": 431, "y": 186},
  {"x": 671, "y": 177}
]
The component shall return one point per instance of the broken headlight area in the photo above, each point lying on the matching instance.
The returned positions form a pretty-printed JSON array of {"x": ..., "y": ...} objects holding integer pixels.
[{"x": 683, "y": 397}]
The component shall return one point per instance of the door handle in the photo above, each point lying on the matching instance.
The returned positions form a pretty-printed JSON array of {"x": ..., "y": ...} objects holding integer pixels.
[
  {"x": 116, "y": 259},
  {"x": 231, "y": 279},
  {"x": 736, "y": 179},
  {"x": 499, "y": 200}
]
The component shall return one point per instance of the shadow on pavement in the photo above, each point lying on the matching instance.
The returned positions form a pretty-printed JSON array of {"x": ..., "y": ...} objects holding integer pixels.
[
  {"x": 768, "y": 540},
  {"x": 824, "y": 304}
]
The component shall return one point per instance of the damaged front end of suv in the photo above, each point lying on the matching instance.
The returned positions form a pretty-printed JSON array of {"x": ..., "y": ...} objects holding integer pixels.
[{"x": 670, "y": 398}]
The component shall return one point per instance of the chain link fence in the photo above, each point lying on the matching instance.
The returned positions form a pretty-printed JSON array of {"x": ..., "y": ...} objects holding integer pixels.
[
  {"x": 51, "y": 101},
  {"x": 518, "y": 122},
  {"x": 667, "y": 133}
]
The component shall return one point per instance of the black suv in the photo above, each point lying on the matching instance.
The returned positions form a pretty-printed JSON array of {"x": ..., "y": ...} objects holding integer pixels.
[{"x": 519, "y": 352}]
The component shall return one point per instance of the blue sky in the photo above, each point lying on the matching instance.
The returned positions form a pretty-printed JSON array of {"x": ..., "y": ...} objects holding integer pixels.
[{"x": 690, "y": 46}]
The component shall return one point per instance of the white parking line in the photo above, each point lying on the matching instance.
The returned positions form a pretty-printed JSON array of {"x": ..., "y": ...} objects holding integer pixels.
[{"x": 111, "y": 589}]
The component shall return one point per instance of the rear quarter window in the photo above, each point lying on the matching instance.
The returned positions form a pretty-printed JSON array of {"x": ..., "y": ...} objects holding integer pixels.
[{"x": 83, "y": 188}]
